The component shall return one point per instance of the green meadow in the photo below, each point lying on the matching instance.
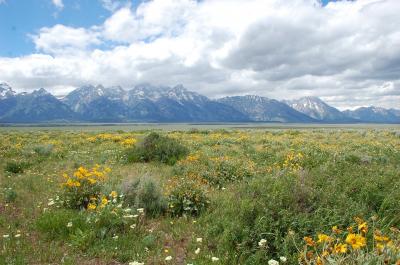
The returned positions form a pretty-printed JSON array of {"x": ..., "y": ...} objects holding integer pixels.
[{"x": 200, "y": 194}]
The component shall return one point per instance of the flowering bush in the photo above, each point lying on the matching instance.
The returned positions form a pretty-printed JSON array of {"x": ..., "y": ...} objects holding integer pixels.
[
  {"x": 355, "y": 245},
  {"x": 186, "y": 197},
  {"x": 83, "y": 188}
]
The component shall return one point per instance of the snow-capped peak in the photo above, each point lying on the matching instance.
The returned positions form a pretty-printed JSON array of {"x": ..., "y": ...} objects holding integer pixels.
[{"x": 6, "y": 91}]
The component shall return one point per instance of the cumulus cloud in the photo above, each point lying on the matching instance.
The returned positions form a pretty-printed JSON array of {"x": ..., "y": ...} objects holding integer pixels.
[
  {"x": 61, "y": 39},
  {"x": 345, "y": 52},
  {"x": 58, "y": 3}
]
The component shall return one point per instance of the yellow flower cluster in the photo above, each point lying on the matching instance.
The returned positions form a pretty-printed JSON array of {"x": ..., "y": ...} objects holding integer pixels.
[
  {"x": 82, "y": 175},
  {"x": 129, "y": 141},
  {"x": 293, "y": 161},
  {"x": 341, "y": 246}
]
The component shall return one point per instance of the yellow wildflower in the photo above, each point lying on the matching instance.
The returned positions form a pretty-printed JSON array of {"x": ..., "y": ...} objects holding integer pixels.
[
  {"x": 322, "y": 238},
  {"x": 363, "y": 227},
  {"x": 340, "y": 248},
  {"x": 356, "y": 241},
  {"x": 336, "y": 230},
  {"x": 91, "y": 206},
  {"x": 113, "y": 194}
]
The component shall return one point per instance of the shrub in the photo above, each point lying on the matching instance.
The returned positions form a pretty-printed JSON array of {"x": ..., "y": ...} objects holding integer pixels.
[
  {"x": 83, "y": 188},
  {"x": 186, "y": 197},
  {"x": 43, "y": 150},
  {"x": 145, "y": 193},
  {"x": 156, "y": 147},
  {"x": 9, "y": 195},
  {"x": 15, "y": 167}
]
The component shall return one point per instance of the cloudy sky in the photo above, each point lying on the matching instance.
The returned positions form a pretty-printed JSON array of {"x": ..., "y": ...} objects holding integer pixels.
[{"x": 346, "y": 52}]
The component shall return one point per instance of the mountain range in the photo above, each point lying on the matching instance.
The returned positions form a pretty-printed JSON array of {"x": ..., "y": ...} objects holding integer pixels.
[{"x": 148, "y": 103}]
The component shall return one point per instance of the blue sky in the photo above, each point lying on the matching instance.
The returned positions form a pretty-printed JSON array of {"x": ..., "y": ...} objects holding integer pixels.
[
  {"x": 345, "y": 52},
  {"x": 19, "y": 19}
]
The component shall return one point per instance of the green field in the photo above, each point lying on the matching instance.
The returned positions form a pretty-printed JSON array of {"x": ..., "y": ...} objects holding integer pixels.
[{"x": 200, "y": 194}]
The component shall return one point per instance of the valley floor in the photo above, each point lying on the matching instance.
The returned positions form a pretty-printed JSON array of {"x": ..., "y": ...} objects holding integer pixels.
[{"x": 231, "y": 194}]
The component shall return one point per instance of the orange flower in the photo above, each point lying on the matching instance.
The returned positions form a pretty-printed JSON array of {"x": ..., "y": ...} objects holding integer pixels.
[{"x": 309, "y": 241}]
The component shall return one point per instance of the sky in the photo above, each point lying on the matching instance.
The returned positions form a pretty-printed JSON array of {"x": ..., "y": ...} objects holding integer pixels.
[{"x": 345, "y": 52}]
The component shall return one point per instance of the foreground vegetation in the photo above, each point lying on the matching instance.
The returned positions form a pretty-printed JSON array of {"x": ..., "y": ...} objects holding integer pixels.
[{"x": 200, "y": 197}]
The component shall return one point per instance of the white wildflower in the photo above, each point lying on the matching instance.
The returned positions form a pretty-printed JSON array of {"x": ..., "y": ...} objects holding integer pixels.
[
  {"x": 283, "y": 259},
  {"x": 197, "y": 251},
  {"x": 199, "y": 240},
  {"x": 262, "y": 242},
  {"x": 273, "y": 262},
  {"x": 214, "y": 259},
  {"x": 69, "y": 224},
  {"x": 136, "y": 263},
  {"x": 168, "y": 258}
]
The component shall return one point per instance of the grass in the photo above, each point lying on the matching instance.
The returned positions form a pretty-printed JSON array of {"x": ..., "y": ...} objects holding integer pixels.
[{"x": 234, "y": 189}]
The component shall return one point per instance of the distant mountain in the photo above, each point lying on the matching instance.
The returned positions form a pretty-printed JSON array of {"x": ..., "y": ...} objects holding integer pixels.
[
  {"x": 375, "y": 114},
  {"x": 97, "y": 103},
  {"x": 319, "y": 110},
  {"x": 38, "y": 106},
  {"x": 148, "y": 103},
  {"x": 6, "y": 91},
  {"x": 265, "y": 109}
]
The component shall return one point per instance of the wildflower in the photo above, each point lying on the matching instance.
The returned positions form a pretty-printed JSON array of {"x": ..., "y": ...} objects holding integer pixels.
[
  {"x": 273, "y": 262},
  {"x": 104, "y": 202},
  {"x": 136, "y": 263},
  {"x": 322, "y": 238},
  {"x": 283, "y": 259},
  {"x": 214, "y": 259},
  {"x": 199, "y": 240},
  {"x": 128, "y": 216},
  {"x": 69, "y": 224},
  {"x": 17, "y": 235},
  {"x": 91, "y": 206},
  {"x": 309, "y": 241},
  {"x": 262, "y": 242},
  {"x": 113, "y": 194},
  {"x": 6, "y": 236},
  {"x": 115, "y": 237},
  {"x": 319, "y": 261},
  {"x": 336, "y": 230},
  {"x": 363, "y": 227},
  {"x": 380, "y": 238},
  {"x": 356, "y": 241},
  {"x": 197, "y": 251},
  {"x": 140, "y": 210},
  {"x": 340, "y": 248},
  {"x": 358, "y": 220},
  {"x": 169, "y": 258},
  {"x": 132, "y": 226},
  {"x": 50, "y": 203}
]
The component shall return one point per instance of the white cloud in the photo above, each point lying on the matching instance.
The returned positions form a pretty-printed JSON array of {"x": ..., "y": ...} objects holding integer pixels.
[
  {"x": 60, "y": 39},
  {"x": 113, "y": 5},
  {"x": 346, "y": 52},
  {"x": 58, "y": 3}
]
